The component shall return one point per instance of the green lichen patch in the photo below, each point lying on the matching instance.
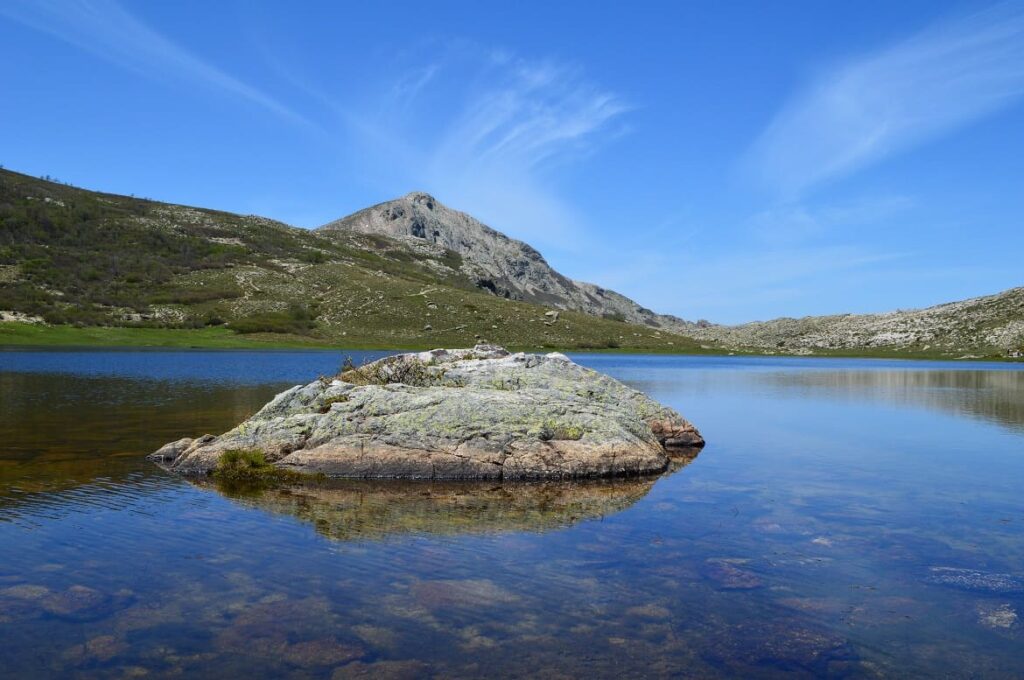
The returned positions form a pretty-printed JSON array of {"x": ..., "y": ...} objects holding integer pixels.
[
  {"x": 554, "y": 431},
  {"x": 326, "y": 404}
]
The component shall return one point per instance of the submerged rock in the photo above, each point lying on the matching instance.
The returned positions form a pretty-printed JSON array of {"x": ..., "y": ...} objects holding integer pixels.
[
  {"x": 382, "y": 670},
  {"x": 79, "y": 603},
  {"x": 730, "y": 575},
  {"x": 479, "y": 413},
  {"x": 971, "y": 579},
  {"x": 473, "y": 594},
  {"x": 782, "y": 647},
  {"x": 997, "y": 615},
  {"x": 98, "y": 649}
]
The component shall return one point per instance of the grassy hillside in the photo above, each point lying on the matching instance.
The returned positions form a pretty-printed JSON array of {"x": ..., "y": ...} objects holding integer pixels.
[
  {"x": 101, "y": 269},
  {"x": 106, "y": 269}
]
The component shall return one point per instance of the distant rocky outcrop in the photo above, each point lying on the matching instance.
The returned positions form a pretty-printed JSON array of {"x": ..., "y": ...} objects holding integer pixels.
[
  {"x": 493, "y": 261},
  {"x": 479, "y": 413},
  {"x": 976, "y": 327}
]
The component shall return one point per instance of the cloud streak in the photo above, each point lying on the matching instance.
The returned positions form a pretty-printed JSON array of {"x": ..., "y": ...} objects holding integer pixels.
[
  {"x": 484, "y": 130},
  {"x": 107, "y": 30},
  {"x": 794, "y": 223},
  {"x": 887, "y": 102},
  {"x": 531, "y": 115}
]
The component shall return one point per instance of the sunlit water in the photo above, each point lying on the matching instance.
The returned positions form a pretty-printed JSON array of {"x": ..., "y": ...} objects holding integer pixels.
[{"x": 847, "y": 518}]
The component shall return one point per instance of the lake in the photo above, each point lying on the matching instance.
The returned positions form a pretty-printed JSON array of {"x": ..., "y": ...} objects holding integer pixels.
[{"x": 848, "y": 518}]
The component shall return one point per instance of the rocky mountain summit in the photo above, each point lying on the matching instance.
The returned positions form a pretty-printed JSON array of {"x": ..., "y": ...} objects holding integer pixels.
[
  {"x": 505, "y": 266},
  {"x": 479, "y": 413},
  {"x": 69, "y": 256}
]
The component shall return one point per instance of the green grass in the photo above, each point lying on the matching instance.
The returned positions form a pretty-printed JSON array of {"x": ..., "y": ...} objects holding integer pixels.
[
  {"x": 249, "y": 468},
  {"x": 16, "y": 334},
  {"x": 73, "y": 256},
  {"x": 39, "y": 335},
  {"x": 109, "y": 271}
]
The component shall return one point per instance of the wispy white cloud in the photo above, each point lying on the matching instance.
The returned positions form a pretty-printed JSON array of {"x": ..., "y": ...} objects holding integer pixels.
[
  {"x": 107, "y": 30},
  {"x": 411, "y": 83},
  {"x": 889, "y": 101},
  {"x": 796, "y": 222},
  {"x": 536, "y": 113},
  {"x": 484, "y": 129}
]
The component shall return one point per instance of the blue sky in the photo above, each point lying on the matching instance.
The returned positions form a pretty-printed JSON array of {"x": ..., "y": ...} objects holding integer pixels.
[{"x": 729, "y": 161}]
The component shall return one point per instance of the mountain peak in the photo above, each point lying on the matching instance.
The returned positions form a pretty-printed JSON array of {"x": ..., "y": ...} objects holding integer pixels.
[
  {"x": 421, "y": 198},
  {"x": 494, "y": 262}
]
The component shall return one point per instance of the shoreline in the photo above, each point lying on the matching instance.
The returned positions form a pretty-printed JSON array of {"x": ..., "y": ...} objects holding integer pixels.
[{"x": 16, "y": 336}]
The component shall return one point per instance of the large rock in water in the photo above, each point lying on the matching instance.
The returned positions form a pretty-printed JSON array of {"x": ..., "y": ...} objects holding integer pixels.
[{"x": 478, "y": 413}]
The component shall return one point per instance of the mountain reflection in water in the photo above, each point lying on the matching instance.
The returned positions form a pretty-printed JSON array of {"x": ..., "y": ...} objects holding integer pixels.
[{"x": 996, "y": 396}]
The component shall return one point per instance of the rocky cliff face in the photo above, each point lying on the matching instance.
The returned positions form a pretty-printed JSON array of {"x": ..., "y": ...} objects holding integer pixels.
[{"x": 493, "y": 261}]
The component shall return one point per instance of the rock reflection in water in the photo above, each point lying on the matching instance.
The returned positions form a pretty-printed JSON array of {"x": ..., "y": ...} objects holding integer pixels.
[{"x": 352, "y": 510}]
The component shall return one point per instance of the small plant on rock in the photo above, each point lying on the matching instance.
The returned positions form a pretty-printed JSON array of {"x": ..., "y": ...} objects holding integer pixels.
[
  {"x": 247, "y": 466},
  {"x": 404, "y": 370}
]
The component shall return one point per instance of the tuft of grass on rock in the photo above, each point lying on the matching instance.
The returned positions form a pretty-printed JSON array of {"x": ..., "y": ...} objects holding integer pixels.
[{"x": 250, "y": 467}]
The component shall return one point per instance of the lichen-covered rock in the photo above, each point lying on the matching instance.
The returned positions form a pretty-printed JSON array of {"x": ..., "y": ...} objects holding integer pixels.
[{"x": 478, "y": 413}]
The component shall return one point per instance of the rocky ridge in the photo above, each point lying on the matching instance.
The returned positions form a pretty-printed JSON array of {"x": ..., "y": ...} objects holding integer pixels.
[
  {"x": 993, "y": 323},
  {"x": 479, "y": 413},
  {"x": 493, "y": 261},
  {"x": 513, "y": 269},
  {"x": 69, "y": 256}
]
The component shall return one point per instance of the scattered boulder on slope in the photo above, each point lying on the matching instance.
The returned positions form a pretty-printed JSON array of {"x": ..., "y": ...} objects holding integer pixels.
[{"x": 479, "y": 413}]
